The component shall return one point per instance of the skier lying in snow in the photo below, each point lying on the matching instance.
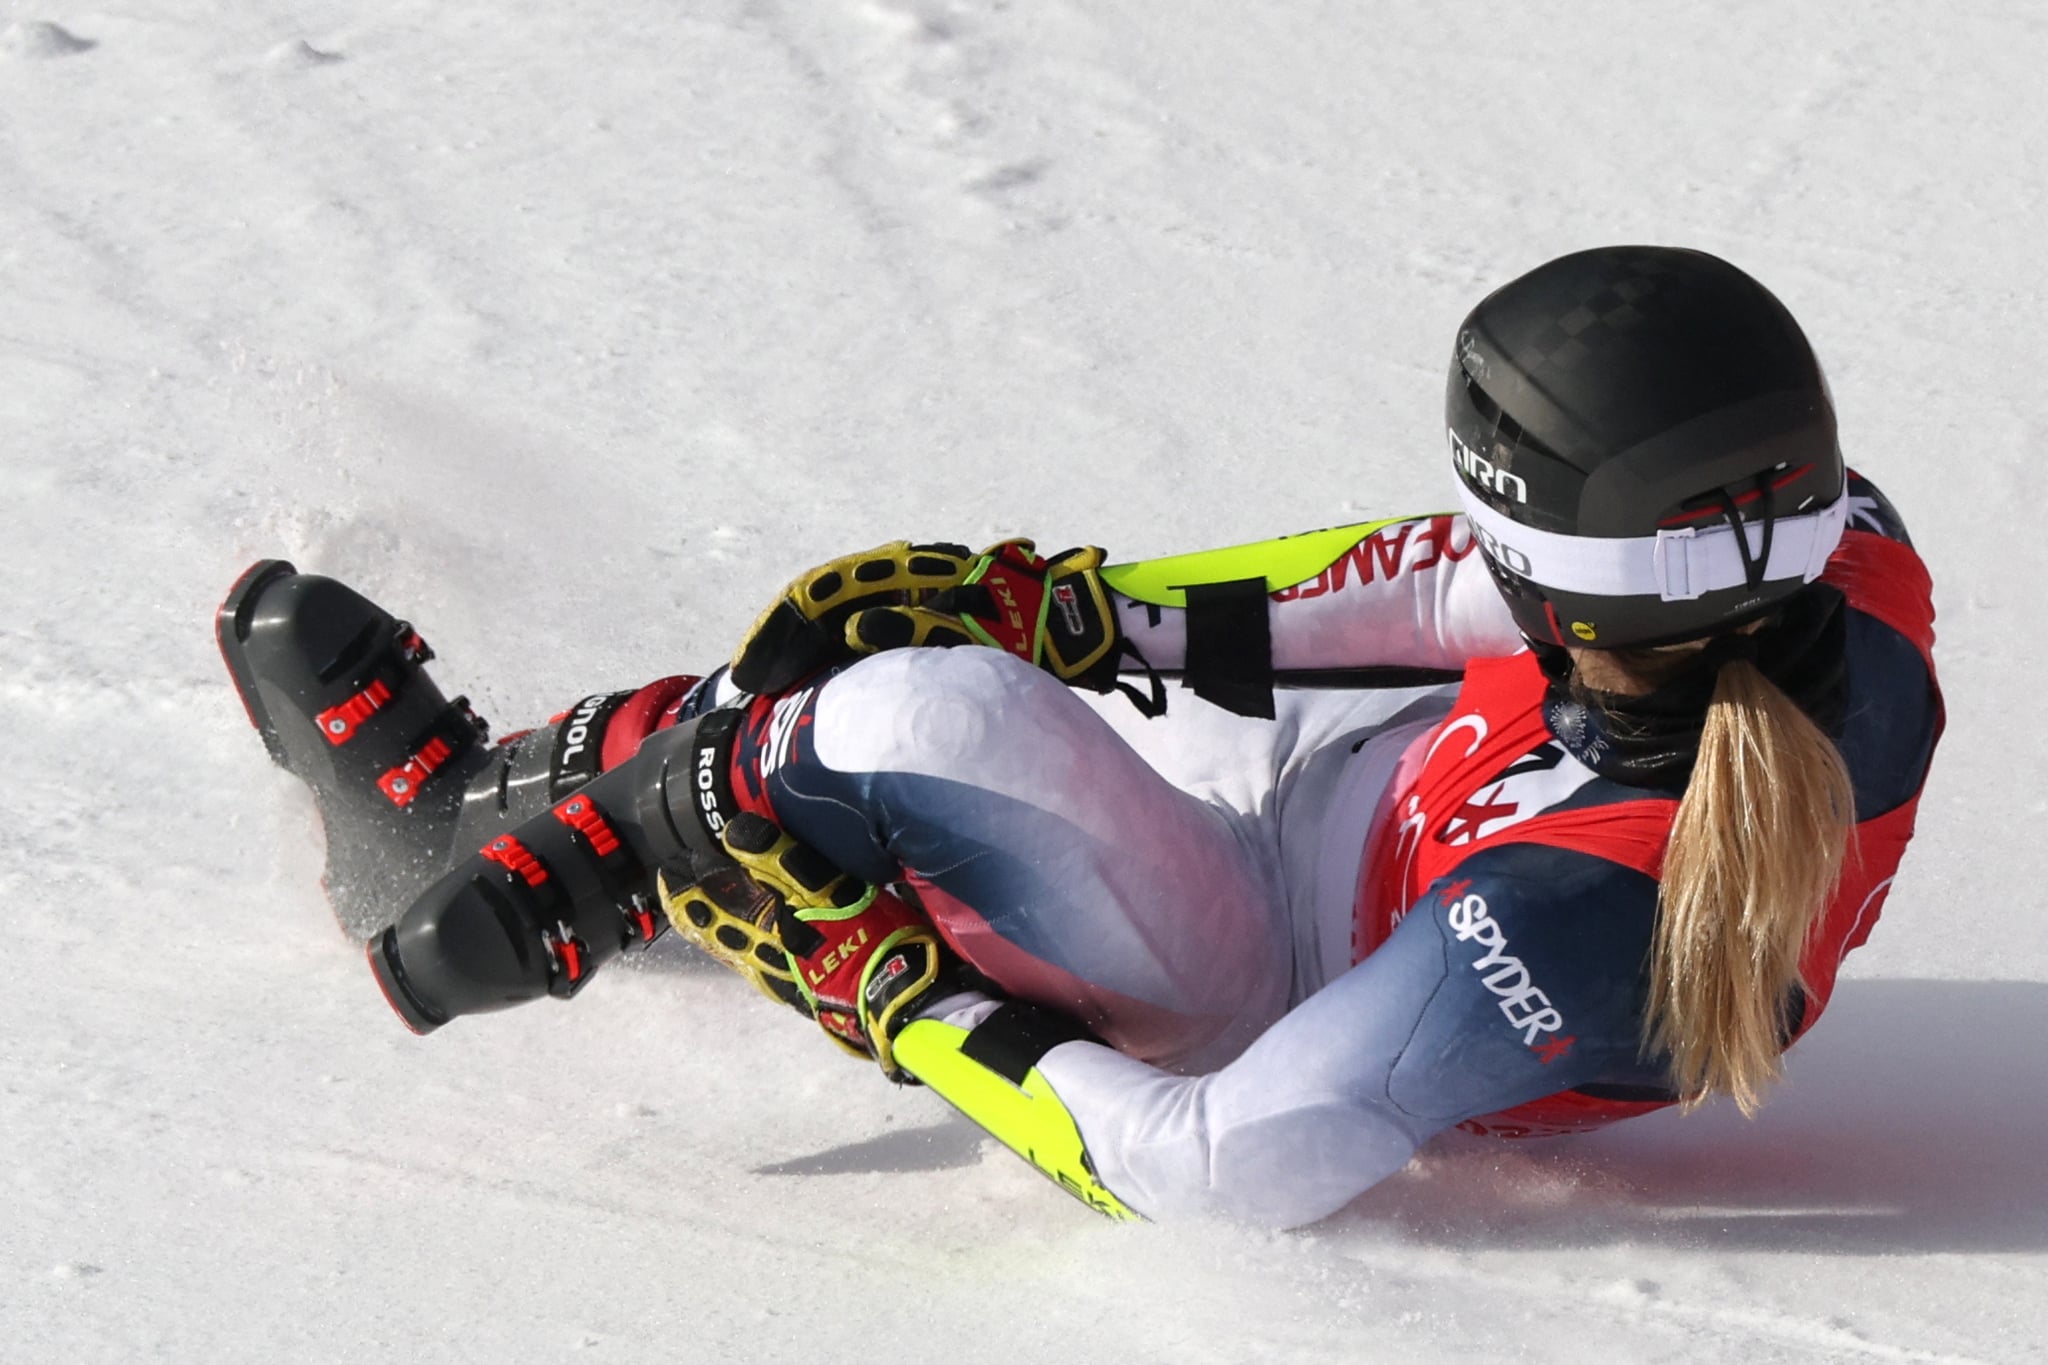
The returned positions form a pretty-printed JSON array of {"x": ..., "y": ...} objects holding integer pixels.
[{"x": 1522, "y": 841}]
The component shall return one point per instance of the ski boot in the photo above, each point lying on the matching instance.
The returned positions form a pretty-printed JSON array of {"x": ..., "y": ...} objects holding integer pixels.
[
  {"x": 541, "y": 905},
  {"x": 404, "y": 778}
]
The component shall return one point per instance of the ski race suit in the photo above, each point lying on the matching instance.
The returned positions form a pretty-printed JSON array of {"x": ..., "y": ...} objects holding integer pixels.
[{"x": 1315, "y": 940}]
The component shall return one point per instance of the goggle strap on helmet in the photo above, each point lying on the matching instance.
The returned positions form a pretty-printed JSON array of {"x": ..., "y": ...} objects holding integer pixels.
[
  {"x": 1752, "y": 565},
  {"x": 1676, "y": 565}
]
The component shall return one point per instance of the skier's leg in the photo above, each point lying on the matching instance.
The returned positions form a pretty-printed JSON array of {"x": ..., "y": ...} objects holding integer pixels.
[{"x": 1054, "y": 858}]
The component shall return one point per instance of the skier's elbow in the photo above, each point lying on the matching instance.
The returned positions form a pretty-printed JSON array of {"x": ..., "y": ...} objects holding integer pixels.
[{"x": 1283, "y": 1171}]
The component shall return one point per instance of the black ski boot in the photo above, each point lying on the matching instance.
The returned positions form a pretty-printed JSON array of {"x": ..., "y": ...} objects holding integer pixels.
[
  {"x": 546, "y": 902},
  {"x": 406, "y": 784},
  {"x": 335, "y": 685}
]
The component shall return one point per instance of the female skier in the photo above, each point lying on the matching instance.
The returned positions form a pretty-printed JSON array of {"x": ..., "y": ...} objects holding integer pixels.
[{"x": 1525, "y": 820}]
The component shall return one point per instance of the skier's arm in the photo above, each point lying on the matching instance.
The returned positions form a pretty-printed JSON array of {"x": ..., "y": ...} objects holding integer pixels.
[
  {"x": 1405, "y": 593},
  {"x": 1409, "y": 592},
  {"x": 1497, "y": 989}
]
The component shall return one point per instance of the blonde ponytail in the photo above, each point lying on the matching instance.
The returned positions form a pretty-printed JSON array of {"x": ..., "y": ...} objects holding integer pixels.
[{"x": 1756, "y": 851}]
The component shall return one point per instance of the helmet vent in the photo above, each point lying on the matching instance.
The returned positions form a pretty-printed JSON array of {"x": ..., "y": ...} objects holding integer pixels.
[
  {"x": 1508, "y": 434},
  {"x": 1749, "y": 504}
]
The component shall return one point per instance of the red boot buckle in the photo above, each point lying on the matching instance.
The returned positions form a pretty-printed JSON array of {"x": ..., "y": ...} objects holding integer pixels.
[
  {"x": 581, "y": 814},
  {"x": 338, "y": 723},
  {"x": 569, "y": 956},
  {"x": 402, "y": 783},
  {"x": 508, "y": 852}
]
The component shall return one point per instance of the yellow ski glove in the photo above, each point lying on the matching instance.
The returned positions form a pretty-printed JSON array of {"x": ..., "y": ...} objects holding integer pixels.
[
  {"x": 1054, "y": 613},
  {"x": 849, "y": 955},
  {"x": 806, "y": 628}
]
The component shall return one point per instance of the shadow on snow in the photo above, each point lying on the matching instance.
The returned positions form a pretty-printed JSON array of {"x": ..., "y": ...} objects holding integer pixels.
[{"x": 1914, "y": 1118}]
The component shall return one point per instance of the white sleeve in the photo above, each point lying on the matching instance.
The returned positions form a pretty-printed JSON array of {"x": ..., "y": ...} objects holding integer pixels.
[
  {"x": 1341, "y": 1090},
  {"x": 1224, "y": 1145},
  {"x": 1304, "y": 1121},
  {"x": 1286, "y": 1135},
  {"x": 1413, "y": 593}
]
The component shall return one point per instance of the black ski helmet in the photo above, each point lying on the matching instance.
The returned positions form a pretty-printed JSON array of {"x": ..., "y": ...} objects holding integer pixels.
[{"x": 1615, "y": 416}]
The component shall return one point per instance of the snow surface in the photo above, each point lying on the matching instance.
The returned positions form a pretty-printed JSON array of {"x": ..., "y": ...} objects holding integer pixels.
[{"x": 571, "y": 329}]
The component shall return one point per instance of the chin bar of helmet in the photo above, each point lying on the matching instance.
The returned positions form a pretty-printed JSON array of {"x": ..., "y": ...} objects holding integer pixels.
[{"x": 540, "y": 907}]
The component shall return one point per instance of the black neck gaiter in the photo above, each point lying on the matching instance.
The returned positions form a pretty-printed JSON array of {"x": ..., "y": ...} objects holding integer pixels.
[{"x": 1653, "y": 740}]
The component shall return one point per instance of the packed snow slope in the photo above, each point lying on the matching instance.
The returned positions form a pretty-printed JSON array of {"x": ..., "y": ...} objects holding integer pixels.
[{"x": 571, "y": 330}]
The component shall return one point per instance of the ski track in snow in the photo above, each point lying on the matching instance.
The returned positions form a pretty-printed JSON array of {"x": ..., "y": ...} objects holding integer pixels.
[{"x": 569, "y": 332}]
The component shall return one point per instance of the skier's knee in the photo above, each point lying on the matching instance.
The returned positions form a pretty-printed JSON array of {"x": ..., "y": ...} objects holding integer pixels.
[{"x": 937, "y": 712}]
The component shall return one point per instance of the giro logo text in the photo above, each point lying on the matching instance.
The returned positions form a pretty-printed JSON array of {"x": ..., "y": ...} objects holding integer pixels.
[{"x": 1486, "y": 473}]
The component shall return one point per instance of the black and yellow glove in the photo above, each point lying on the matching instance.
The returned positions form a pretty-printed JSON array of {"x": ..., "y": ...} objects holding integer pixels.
[
  {"x": 1054, "y": 613},
  {"x": 806, "y": 628},
  {"x": 850, "y": 955}
]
